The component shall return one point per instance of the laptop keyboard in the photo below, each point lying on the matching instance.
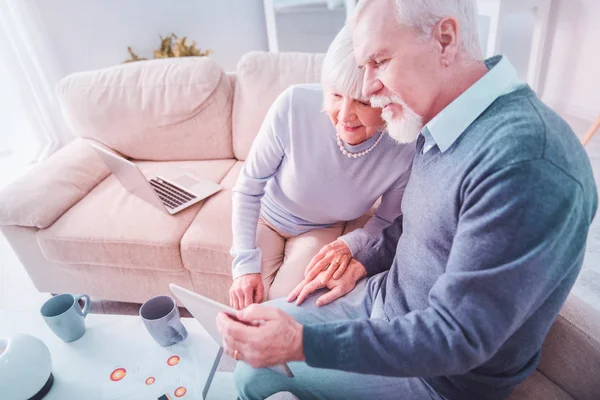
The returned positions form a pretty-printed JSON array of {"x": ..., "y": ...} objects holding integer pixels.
[{"x": 171, "y": 195}]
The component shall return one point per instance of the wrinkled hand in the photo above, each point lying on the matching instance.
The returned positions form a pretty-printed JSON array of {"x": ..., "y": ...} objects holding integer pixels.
[
  {"x": 246, "y": 289},
  {"x": 337, "y": 287},
  {"x": 335, "y": 255},
  {"x": 277, "y": 339}
]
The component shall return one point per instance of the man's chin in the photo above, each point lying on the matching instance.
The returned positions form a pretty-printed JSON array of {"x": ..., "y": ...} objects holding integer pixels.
[{"x": 403, "y": 131}]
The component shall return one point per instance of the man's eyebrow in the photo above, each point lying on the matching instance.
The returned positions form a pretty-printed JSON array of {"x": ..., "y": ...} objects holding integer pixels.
[{"x": 370, "y": 58}]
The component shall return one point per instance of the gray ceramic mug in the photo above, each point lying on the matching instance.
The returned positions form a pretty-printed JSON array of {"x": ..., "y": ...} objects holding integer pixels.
[
  {"x": 161, "y": 317},
  {"x": 65, "y": 317}
]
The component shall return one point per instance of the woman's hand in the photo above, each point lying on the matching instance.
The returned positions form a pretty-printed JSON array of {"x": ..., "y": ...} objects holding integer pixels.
[
  {"x": 246, "y": 289},
  {"x": 336, "y": 255}
]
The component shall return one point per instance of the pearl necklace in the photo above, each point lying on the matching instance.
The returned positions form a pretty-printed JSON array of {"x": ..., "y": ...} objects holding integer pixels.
[{"x": 360, "y": 153}]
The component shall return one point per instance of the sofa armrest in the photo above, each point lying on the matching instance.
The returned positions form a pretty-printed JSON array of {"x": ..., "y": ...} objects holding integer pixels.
[
  {"x": 48, "y": 190},
  {"x": 571, "y": 352}
]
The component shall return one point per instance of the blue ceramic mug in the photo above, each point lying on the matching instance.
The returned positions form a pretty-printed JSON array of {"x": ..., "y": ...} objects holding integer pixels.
[
  {"x": 65, "y": 317},
  {"x": 161, "y": 317}
]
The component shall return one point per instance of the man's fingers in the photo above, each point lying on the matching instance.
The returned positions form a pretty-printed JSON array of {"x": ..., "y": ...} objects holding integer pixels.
[
  {"x": 234, "y": 334},
  {"x": 307, "y": 290},
  {"x": 330, "y": 296},
  {"x": 255, "y": 312},
  {"x": 342, "y": 268},
  {"x": 294, "y": 293}
]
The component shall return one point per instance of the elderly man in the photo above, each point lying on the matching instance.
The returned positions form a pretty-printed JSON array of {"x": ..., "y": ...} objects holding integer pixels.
[{"x": 462, "y": 289}]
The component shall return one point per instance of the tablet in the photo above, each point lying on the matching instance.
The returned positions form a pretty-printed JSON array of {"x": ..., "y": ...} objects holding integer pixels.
[{"x": 205, "y": 311}]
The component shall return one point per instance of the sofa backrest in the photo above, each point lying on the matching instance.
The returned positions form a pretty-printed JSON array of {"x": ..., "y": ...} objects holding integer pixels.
[
  {"x": 170, "y": 109},
  {"x": 261, "y": 77}
]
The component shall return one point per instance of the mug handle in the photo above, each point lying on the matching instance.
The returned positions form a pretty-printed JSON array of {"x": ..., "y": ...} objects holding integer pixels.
[
  {"x": 86, "y": 304},
  {"x": 178, "y": 327}
]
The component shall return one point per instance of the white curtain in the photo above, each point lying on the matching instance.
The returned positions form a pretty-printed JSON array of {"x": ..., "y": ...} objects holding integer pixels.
[{"x": 30, "y": 71}]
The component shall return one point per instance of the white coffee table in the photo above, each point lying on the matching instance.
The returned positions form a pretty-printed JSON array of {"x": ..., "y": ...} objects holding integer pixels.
[{"x": 82, "y": 369}]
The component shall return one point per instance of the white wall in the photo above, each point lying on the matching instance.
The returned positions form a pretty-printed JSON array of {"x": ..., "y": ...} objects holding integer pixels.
[
  {"x": 572, "y": 78},
  {"x": 310, "y": 30},
  {"x": 88, "y": 34}
]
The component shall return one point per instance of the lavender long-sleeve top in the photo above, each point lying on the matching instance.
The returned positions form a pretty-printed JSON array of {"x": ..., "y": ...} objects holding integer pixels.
[{"x": 297, "y": 178}]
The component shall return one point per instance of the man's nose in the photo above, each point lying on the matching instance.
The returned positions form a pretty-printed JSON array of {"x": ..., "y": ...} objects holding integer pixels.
[{"x": 371, "y": 84}]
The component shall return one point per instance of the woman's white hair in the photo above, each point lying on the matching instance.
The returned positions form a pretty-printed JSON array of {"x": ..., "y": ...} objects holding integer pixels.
[
  {"x": 422, "y": 16},
  {"x": 340, "y": 72}
]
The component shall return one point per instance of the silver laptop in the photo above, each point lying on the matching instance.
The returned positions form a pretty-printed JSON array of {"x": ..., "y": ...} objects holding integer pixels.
[{"x": 168, "y": 194}]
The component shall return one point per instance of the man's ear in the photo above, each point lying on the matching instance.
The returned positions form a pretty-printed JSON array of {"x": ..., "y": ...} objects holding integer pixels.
[{"x": 446, "y": 36}]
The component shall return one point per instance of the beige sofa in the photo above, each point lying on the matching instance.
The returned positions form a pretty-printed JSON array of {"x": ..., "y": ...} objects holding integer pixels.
[{"x": 76, "y": 229}]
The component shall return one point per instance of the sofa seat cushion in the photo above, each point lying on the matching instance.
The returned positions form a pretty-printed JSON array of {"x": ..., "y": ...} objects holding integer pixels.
[
  {"x": 539, "y": 387},
  {"x": 112, "y": 227},
  {"x": 205, "y": 245}
]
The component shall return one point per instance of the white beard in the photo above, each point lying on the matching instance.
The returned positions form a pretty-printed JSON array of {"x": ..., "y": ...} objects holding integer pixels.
[{"x": 403, "y": 129}]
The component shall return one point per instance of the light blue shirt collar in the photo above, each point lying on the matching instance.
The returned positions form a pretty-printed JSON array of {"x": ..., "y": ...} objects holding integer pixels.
[{"x": 446, "y": 127}]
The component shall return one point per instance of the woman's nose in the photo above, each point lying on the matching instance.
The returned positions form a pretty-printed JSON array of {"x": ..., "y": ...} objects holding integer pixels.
[{"x": 347, "y": 111}]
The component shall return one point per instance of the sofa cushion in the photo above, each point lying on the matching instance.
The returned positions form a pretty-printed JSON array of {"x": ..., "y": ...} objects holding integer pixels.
[
  {"x": 111, "y": 227},
  {"x": 170, "y": 109},
  {"x": 571, "y": 351},
  {"x": 261, "y": 77},
  {"x": 539, "y": 387},
  {"x": 205, "y": 246},
  {"x": 48, "y": 190}
]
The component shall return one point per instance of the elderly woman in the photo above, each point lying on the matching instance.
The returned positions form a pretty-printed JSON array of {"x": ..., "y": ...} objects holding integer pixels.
[{"x": 309, "y": 172}]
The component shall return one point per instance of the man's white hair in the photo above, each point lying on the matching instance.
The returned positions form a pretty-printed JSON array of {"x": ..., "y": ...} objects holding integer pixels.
[
  {"x": 422, "y": 16},
  {"x": 340, "y": 71}
]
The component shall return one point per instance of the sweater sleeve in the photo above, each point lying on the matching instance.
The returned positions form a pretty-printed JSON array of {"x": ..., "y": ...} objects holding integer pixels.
[
  {"x": 520, "y": 238},
  {"x": 378, "y": 255},
  {"x": 387, "y": 211},
  {"x": 264, "y": 159}
]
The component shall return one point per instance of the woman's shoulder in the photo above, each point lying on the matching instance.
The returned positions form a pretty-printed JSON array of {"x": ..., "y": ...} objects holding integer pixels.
[
  {"x": 401, "y": 155},
  {"x": 305, "y": 95},
  {"x": 395, "y": 147}
]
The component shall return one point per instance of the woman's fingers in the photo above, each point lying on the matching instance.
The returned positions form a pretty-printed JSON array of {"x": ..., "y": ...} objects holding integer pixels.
[
  {"x": 236, "y": 300},
  {"x": 318, "y": 257},
  {"x": 319, "y": 266},
  {"x": 333, "y": 266},
  {"x": 231, "y": 301},
  {"x": 247, "y": 295},
  {"x": 259, "y": 293},
  {"x": 342, "y": 268}
]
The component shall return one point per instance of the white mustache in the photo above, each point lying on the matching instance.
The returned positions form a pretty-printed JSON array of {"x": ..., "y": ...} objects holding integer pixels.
[{"x": 382, "y": 101}]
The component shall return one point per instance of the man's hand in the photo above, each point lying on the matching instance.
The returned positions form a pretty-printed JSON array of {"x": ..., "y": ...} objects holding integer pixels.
[
  {"x": 274, "y": 340},
  {"x": 333, "y": 257},
  {"x": 246, "y": 289},
  {"x": 338, "y": 287}
]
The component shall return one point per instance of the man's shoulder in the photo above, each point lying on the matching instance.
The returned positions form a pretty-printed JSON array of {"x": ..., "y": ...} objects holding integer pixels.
[{"x": 518, "y": 127}]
